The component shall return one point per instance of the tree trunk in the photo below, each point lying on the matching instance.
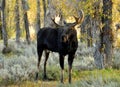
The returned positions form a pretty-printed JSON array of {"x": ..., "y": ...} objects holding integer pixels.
[
  {"x": 38, "y": 24},
  {"x": 50, "y": 12},
  {"x": 89, "y": 37},
  {"x": 3, "y": 18},
  {"x": 17, "y": 21},
  {"x": 6, "y": 49},
  {"x": 25, "y": 16},
  {"x": 44, "y": 8},
  {"x": 89, "y": 31},
  {"x": 86, "y": 31},
  {"x": 1, "y": 37},
  {"x": 107, "y": 37},
  {"x": 98, "y": 55}
]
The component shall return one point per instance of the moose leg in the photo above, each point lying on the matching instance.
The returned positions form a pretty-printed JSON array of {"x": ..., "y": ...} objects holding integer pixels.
[
  {"x": 61, "y": 59},
  {"x": 46, "y": 58},
  {"x": 70, "y": 61},
  {"x": 39, "y": 59}
]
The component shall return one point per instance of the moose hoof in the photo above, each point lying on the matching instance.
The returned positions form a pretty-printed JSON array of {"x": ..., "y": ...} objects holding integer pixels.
[
  {"x": 45, "y": 78},
  {"x": 36, "y": 77}
]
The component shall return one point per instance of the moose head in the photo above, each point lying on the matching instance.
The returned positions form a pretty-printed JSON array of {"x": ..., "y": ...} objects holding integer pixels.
[{"x": 69, "y": 28}]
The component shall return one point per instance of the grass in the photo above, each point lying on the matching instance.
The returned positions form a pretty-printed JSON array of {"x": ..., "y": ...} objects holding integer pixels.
[
  {"x": 35, "y": 84},
  {"x": 103, "y": 78}
]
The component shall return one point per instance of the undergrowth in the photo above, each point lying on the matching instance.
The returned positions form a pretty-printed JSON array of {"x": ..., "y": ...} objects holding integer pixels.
[{"x": 18, "y": 68}]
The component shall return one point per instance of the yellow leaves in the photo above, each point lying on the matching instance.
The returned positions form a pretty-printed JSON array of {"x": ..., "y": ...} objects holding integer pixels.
[
  {"x": 32, "y": 11},
  {"x": 117, "y": 41},
  {"x": 116, "y": 13}
]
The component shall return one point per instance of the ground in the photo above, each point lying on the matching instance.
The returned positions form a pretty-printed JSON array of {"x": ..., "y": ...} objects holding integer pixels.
[
  {"x": 18, "y": 68},
  {"x": 94, "y": 78}
]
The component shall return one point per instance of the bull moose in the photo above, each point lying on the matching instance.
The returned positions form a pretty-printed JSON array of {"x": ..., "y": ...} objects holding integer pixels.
[{"x": 63, "y": 40}]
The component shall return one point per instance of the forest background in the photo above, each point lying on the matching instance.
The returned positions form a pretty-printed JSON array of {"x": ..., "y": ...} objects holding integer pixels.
[{"x": 18, "y": 62}]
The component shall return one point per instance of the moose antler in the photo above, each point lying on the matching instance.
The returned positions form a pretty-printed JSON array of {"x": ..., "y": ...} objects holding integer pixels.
[
  {"x": 57, "y": 19},
  {"x": 57, "y": 25},
  {"x": 79, "y": 20}
]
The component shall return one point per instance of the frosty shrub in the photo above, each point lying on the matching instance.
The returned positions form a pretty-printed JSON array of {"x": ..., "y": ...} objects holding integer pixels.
[
  {"x": 116, "y": 60},
  {"x": 1, "y": 62},
  {"x": 19, "y": 65},
  {"x": 83, "y": 50},
  {"x": 4, "y": 74},
  {"x": 19, "y": 68},
  {"x": 84, "y": 63},
  {"x": 84, "y": 57}
]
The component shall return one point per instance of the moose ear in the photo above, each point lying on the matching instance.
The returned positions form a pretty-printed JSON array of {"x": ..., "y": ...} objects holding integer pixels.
[{"x": 64, "y": 22}]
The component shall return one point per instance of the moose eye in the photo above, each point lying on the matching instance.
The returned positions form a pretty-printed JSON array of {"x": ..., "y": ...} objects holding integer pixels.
[{"x": 64, "y": 38}]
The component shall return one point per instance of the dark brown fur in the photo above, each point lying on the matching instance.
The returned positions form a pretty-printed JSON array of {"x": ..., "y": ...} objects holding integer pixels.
[{"x": 60, "y": 40}]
